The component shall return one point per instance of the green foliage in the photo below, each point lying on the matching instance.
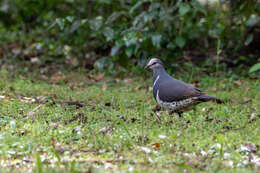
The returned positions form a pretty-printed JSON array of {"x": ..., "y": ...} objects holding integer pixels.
[
  {"x": 128, "y": 32},
  {"x": 255, "y": 68}
]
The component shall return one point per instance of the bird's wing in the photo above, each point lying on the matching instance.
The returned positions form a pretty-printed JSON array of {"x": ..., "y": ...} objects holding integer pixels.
[{"x": 175, "y": 90}]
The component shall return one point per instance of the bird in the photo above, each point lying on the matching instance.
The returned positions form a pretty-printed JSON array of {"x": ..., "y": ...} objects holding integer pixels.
[{"x": 174, "y": 94}]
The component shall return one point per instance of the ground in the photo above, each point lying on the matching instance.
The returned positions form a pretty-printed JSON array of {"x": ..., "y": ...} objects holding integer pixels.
[{"x": 76, "y": 122}]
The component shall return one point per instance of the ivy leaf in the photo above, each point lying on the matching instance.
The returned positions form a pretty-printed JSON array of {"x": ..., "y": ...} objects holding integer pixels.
[
  {"x": 96, "y": 23},
  {"x": 180, "y": 41},
  {"x": 249, "y": 39},
  {"x": 183, "y": 9},
  {"x": 254, "y": 68},
  {"x": 156, "y": 40},
  {"x": 109, "y": 33},
  {"x": 61, "y": 23},
  {"x": 130, "y": 50},
  {"x": 252, "y": 21},
  {"x": 70, "y": 18},
  {"x": 114, "y": 50}
]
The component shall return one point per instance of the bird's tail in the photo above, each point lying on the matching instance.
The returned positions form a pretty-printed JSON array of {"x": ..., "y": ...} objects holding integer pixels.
[{"x": 205, "y": 98}]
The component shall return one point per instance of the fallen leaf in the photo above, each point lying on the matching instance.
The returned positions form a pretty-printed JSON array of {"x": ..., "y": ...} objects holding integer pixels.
[
  {"x": 35, "y": 60},
  {"x": 71, "y": 85},
  {"x": 53, "y": 142},
  {"x": 106, "y": 130},
  {"x": 104, "y": 86},
  {"x": 162, "y": 136},
  {"x": 57, "y": 78},
  {"x": 32, "y": 113},
  {"x": 145, "y": 149},
  {"x": 16, "y": 51},
  {"x": 249, "y": 147},
  {"x": 237, "y": 83},
  {"x": 251, "y": 116},
  {"x": 41, "y": 99},
  {"x": 98, "y": 77},
  {"x": 138, "y": 88},
  {"x": 26, "y": 99},
  {"x": 129, "y": 81},
  {"x": 156, "y": 145},
  {"x": 247, "y": 89},
  {"x": 229, "y": 163},
  {"x": 149, "y": 100},
  {"x": 246, "y": 100},
  {"x": 77, "y": 130}
]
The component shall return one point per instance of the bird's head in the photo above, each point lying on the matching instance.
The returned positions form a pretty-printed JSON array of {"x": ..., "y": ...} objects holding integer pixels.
[{"x": 154, "y": 63}]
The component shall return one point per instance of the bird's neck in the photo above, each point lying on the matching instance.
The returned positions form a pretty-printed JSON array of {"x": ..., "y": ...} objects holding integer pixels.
[{"x": 158, "y": 71}]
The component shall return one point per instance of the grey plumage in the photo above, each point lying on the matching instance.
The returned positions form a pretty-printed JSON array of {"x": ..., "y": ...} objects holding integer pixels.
[{"x": 174, "y": 94}]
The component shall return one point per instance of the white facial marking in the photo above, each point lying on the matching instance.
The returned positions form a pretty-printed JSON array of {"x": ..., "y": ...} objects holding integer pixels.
[{"x": 156, "y": 80}]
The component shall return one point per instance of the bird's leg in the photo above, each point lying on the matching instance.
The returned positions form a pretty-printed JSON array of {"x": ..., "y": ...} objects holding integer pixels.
[
  {"x": 170, "y": 112},
  {"x": 157, "y": 108},
  {"x": 179, "y": 114}
]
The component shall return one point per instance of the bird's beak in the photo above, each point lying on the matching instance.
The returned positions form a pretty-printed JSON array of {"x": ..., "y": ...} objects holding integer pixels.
[{"x": 147, "y": 66}]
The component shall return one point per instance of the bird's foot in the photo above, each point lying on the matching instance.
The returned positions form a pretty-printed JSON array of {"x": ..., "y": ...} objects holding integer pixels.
[
  {"x": 157, "y": 108},
  {"x": 180, "y": 114},
  {"x": 172, "y": 112}
]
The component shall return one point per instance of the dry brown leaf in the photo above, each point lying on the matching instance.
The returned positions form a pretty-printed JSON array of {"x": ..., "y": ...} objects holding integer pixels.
[
  {"x": 138, "y": 88},
  {"x": 32, "y": 113},
  {"x": 251, "y": 116},
  {"x": 237, "y": 83},
  {"x": 98, "y": 77},
  {"x": 26, "y": 99},
  {"x": 156, "y": 145},
  {"x": 56, "y": 79},
  {"x": 149, "y": 100},
  {"x": 71, "y": 85},
  {"x": 104, "y": 86},
  {"x": 16, "y": 51},
  {"x": 250, "y": 147},
  {"x": 53, "y": 142},
  {"x": 129, "y": 81},
  {"x": 247, "y": 89},
  {"x": 246, "y": 100},
  {"x": 35, "y": 60},
  {"x": 107, "y": 130}
]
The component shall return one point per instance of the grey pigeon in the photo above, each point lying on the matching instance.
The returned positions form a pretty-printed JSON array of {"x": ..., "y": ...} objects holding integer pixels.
[{"x": 174, "y": 94}]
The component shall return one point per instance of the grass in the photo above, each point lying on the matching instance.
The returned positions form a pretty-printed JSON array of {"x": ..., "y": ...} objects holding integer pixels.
[{"x": 69, "y": 123}]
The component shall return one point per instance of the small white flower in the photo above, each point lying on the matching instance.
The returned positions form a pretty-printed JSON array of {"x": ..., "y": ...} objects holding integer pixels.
[
  {"x": 226, "y": 155},
  {"x": 203, "y": 153},
  {"x": 162, "y": 136},
  {"x": 146, "y": 150}
]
